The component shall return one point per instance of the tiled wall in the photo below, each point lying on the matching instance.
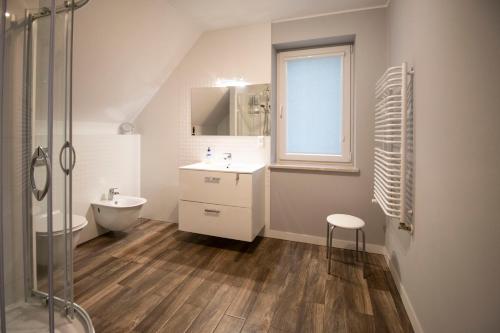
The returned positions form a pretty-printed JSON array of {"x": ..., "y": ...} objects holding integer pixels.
[
  {"x": 103, "y": 161},
  {"x": 164, "y": 125},
  {"x": 243, "y": 149}
]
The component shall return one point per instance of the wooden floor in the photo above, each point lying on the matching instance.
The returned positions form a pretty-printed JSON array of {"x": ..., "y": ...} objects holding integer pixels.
[{"x": 159, "y": 279}]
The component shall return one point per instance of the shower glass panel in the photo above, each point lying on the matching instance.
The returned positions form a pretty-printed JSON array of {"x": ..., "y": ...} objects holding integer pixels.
[
  {"x": 40, "y": 128},
  {"x": 36, "y": 282},
  {"x": 11, "y": 227}
]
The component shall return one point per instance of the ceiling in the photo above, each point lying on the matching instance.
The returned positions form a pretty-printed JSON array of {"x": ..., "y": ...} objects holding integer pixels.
[
  {"x": 217, "y": 14},
  {"x": 123, "y": 53},
  {"x": 117, "y": 67}
]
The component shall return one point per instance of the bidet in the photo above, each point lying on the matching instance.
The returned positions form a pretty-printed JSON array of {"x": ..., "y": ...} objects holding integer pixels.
[{"x": 118, "y": 214}]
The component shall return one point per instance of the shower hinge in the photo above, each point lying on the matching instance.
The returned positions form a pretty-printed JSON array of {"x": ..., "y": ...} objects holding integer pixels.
[{"x": 70, "y": 311}]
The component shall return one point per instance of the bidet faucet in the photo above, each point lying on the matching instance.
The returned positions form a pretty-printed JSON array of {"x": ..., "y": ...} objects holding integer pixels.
[
  {"x": 228, "y": 158},
  {"x": 112, "y": 192}
]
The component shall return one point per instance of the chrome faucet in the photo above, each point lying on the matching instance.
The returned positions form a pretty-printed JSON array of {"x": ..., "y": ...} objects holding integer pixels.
[
  {"x": 228, "y": 158},
  {"x": 112, "y": 192}
]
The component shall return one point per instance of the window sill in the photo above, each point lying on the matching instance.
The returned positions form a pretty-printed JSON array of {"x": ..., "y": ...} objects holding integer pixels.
[{"x": 316, "y": 167}]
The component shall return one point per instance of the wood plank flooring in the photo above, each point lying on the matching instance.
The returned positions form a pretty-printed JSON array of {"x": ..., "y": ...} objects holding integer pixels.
[{"x": 158, "y": 279}]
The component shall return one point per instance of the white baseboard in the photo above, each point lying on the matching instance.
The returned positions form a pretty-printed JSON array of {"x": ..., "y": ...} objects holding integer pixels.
[
  {"x": 318, "y": 240},
  {"x": 417, "y": 327}
]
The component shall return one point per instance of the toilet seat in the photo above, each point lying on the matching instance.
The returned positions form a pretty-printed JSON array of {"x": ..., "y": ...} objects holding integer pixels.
[{"x": 40, "y": 224}]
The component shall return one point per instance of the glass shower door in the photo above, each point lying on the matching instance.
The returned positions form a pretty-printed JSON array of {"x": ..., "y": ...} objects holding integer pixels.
[
  {"x": 49, "y": 40},
  {"x": 36, "y": 159}
]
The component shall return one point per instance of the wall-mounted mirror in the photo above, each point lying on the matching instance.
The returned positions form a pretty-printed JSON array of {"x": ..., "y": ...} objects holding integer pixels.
[{"x": 241, "y": 111}]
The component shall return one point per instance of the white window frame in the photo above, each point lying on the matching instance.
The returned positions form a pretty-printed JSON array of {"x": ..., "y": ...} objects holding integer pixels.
[{"x": 346, "y": 156}]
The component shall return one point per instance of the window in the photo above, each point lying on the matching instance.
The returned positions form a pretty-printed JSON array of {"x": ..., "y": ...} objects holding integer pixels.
[{"x": 314, "y": 106}]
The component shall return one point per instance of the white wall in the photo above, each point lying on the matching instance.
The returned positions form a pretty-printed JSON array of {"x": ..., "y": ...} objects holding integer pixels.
[
  {"x": 103, "y": 161},
  {"x": 165, "y": 122},
  {"x": 450, "y": 268},
  {"x": 328, "y": 193},
  {"x": 123, "y": 52}
]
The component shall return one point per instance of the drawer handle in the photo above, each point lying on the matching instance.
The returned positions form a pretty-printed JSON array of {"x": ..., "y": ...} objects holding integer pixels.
[
  {"x": 212, "y": 211},
  {"x": 215, "y": 180}
]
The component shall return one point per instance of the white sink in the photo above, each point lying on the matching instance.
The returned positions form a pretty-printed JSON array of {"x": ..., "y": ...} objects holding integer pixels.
[{"x": 238, "y": 168}]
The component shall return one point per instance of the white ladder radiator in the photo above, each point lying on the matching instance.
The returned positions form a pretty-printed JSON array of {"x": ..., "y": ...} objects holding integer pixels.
[{"x": 393, "y": 160}]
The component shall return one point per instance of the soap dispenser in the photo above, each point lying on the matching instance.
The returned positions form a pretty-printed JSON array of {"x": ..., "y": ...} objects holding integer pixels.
[{"x": 208, "y": 156}]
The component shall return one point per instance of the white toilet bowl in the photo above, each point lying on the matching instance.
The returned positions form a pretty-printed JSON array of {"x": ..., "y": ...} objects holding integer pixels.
[{"x": 40, "y": 226}]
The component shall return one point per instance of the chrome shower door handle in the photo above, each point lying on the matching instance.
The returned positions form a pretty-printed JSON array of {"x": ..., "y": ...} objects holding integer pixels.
[
  {"x": 73, "y": 161},
  {"x": 39, "y": 155}
]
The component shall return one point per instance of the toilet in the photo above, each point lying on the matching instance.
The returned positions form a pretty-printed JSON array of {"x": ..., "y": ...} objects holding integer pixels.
[{"x": 40, "y": 226}]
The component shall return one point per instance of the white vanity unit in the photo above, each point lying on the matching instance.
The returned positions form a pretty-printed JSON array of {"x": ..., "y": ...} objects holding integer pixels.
[{"x": 222, "y": 201}]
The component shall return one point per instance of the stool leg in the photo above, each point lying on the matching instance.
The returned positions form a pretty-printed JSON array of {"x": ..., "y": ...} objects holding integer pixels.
[
  {"x": 329, "y": 249},
  {"x": 357, "y": 242},
  {"x": 327, "y": 240},
  {"x": 364, "y": 253}
]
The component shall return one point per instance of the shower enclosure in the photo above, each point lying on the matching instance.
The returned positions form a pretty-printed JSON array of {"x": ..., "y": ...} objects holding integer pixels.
[{"x": 37, "y": 159}]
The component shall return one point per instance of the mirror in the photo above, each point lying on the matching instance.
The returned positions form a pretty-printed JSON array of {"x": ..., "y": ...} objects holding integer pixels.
[{"x": 241, "y": 111}]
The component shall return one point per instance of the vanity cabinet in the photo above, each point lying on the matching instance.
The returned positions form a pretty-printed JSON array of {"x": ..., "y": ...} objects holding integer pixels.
[{"x": 222, "y": 202}]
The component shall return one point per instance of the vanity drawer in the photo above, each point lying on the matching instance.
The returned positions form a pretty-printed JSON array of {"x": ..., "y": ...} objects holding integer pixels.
[
  {"x": 222, "y": 188},
  {"x": 216, "y": 220}
]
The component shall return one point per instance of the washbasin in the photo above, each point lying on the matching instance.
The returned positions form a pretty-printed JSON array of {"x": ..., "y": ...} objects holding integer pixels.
[{"x": 222, "y": 167}]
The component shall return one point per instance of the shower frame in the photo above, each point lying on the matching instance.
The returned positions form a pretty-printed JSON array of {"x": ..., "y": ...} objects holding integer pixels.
[{"x": 67, "y": 157}]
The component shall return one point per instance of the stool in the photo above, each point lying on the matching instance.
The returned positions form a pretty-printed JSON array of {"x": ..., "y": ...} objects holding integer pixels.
[{"x": 346, "y": 222}]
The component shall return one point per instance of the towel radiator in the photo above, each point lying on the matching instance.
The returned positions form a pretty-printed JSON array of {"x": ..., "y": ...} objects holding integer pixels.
[{"x": 393, "y": 153}]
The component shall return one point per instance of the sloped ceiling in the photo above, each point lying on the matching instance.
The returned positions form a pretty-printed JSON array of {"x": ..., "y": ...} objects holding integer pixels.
[
  {"x": 123, "y": 51},
  {"x": 217, "y": 14}
]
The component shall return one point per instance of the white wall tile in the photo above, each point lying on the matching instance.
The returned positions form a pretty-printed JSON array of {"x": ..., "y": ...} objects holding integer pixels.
[
  {"x": 103, "y": 161},
  {"x": 165, "y": 123}
]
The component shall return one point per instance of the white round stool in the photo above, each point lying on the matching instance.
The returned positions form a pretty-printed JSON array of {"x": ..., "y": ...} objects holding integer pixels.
[{"x": 346, "y": 222}]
